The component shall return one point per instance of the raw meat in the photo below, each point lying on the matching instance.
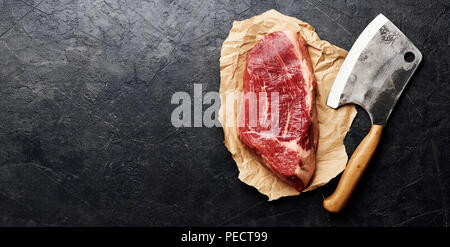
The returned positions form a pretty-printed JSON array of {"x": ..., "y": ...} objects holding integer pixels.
[{"x": 280, "y": 63}]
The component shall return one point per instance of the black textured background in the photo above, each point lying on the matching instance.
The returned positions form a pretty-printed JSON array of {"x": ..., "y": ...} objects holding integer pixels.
[{"x": 85, "y": 132}]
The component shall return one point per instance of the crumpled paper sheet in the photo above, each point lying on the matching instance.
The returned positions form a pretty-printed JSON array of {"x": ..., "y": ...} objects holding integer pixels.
[{"x": 326, "y": 59}]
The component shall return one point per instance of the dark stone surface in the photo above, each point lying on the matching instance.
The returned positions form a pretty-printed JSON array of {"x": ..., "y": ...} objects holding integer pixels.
[{"x": 85, "y": 132}]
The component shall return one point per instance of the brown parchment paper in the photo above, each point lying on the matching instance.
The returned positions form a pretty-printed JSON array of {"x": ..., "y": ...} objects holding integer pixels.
[{"x": 326, "y": 59}]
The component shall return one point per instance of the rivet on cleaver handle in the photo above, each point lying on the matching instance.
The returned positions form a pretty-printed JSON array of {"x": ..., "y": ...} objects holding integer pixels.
[{"x": 373, "y": 75}]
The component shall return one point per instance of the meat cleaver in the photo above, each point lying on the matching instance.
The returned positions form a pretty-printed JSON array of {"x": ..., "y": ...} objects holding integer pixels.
[{"x": 373, "y": 75}]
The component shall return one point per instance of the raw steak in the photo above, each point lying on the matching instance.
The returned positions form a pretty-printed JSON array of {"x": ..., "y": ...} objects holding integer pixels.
[{"x": 280, "y": 62}]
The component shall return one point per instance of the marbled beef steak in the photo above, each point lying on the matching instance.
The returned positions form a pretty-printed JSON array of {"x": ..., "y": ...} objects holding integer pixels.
[{"x": 279, "y": 63}]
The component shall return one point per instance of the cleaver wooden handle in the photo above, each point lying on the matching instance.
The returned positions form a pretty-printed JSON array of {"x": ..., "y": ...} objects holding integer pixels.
[{"x": 353, "y": 171}]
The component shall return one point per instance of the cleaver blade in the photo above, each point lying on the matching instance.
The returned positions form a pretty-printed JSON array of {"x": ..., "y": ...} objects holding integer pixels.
[
  {"x": 376, "y": 70},
  {"x": 373, "y": 75}
]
